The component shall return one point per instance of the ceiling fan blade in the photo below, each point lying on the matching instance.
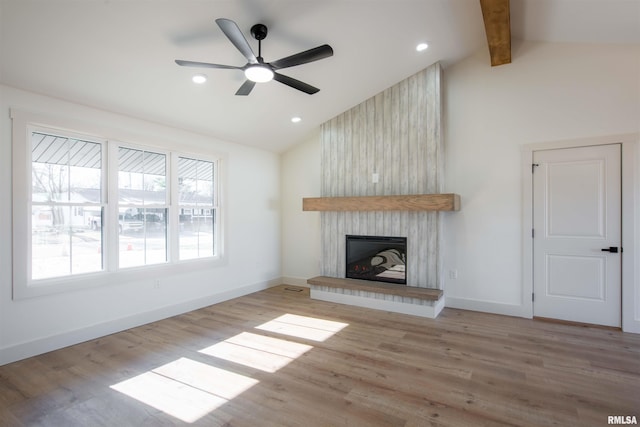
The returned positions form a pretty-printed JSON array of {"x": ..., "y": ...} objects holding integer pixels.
[
  {"x": 246, "y": 88},
  {"x": 296, "y": 84},
  {"x": 205, "y": 65},
  {"x": 310, "y": 55},
  {"x": 233, "y": 33}
]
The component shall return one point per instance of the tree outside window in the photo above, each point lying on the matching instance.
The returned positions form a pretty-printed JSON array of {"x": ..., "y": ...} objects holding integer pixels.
[{"x": 66, "y": 190}]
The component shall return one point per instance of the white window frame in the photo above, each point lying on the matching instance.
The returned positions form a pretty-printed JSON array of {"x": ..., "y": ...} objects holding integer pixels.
[
  {"x": 28, "y": 217},
  {"x": 215, "y": 207},
  {"x": 111, "y": 275},
  {"x": 115, "y": 207}
]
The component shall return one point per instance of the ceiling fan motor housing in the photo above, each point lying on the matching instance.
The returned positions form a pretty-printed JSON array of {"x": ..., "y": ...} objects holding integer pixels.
[{"x": 259, "y": 32}]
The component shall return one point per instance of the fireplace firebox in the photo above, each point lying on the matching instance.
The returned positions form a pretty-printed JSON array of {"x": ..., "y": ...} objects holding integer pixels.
[{"x": 377, "y": 258}]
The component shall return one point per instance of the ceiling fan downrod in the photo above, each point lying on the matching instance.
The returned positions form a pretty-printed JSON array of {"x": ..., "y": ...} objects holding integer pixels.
[{"x": 259, "y": 32}]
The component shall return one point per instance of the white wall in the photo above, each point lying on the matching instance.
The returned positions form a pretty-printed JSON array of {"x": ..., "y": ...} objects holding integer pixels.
[
  {"x": 35, "y": 325},
  {"x": 550, "y": 92},
  {"x": 300, "y": 177}
]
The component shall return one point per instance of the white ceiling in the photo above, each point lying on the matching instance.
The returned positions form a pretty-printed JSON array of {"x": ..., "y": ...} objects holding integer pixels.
[{"x": 119, "y": 55}]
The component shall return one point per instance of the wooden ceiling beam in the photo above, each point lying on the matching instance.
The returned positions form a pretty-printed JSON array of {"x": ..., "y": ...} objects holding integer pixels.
[{"x": 497, "y": 25}]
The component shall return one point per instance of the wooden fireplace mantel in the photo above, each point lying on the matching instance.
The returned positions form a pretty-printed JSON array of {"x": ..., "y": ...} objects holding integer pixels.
[{"x": 412, "y": 202}]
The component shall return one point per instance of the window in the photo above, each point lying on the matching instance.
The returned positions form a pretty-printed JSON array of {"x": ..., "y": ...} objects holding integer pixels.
[
  {"x": 196, "y": 199},
  {"x": 142, "y": 207},
  {"x": 66, "y": 192},
  {"x": 99, "y": 211}
]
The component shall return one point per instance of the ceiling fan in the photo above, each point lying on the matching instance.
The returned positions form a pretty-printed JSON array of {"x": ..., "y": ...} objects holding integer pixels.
[{"x": 258, "y": 71}]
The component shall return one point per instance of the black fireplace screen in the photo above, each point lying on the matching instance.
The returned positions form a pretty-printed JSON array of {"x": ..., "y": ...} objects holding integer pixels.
[{"x": 378, "y": 258}]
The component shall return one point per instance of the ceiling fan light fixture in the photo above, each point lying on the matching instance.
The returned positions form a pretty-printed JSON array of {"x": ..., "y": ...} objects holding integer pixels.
[
  {"x": 199, "y": 79},
  {"x": 259, "y": 73}
]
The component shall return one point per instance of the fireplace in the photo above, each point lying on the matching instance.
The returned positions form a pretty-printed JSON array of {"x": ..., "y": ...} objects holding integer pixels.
[{"x": 377, "y": 258}]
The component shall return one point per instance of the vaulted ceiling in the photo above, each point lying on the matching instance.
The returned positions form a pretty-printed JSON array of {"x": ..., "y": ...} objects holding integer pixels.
[{"x": 119, "y": 55}]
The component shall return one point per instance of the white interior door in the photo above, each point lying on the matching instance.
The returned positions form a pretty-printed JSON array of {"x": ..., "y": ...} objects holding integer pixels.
[{"x": 577, "y": 214}]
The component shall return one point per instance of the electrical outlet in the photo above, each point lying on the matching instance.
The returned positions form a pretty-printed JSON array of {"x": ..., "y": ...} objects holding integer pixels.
[
  {"x": 156, "y": 284},
  {"x": 375, "y": 177},
  {"x": 453, "y": 274}
]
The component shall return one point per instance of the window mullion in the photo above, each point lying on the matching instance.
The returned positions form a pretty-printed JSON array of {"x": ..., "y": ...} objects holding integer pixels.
[
  {"x": 111, "y": 212},
  {"x": 174, "y": 209}
]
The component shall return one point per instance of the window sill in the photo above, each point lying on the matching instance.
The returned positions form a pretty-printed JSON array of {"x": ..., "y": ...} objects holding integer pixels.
[{"x": 106, "y": 278}]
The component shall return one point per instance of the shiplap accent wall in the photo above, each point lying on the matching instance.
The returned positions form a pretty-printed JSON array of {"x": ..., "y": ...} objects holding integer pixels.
[{"x": 396, "y": 134}]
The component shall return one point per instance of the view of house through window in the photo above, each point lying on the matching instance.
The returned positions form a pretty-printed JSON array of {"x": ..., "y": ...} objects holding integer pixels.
[
  {"x": 66, "y": 192},
  {"x": 197, "y": 208},
  {"x": 142, "y": 207},
  {"x": 76, "y": 230}
]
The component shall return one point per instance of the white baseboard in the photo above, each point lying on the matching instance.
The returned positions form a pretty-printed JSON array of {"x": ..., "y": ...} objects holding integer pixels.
[
  {"x": 55, "y": 342},
  {"x": 631, "y": 326},
  {"x": 488, "y": 307},
  {"x": 429, "y": 311},
  {"x": 295, "y": 281}
]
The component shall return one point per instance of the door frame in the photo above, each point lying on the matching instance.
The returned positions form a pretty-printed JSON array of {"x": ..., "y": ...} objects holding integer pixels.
[{"x": 630, "y": 274}]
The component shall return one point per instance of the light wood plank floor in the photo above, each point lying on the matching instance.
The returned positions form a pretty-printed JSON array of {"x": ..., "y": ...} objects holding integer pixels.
[{"x": 277, "y": 358}]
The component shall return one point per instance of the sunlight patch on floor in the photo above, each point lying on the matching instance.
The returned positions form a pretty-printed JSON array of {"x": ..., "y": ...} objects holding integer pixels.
[
  {"x": 188, "y": 390},
  {"x": 310, "y": 328},
  {"x": 257, "y": 351},
  {"x": 185, "y": 389},
  {"x": 208, "y": 378}
]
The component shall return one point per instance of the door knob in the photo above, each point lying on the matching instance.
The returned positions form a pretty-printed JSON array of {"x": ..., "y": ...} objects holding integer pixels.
[{"x": 612, "y": 249}]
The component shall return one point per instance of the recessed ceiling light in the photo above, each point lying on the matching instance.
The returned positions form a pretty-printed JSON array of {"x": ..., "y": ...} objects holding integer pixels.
[
  {"x": 199, "y": 78},
  {"x": 296, "y": 119},
  {"x": 421, "y": 47}
]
